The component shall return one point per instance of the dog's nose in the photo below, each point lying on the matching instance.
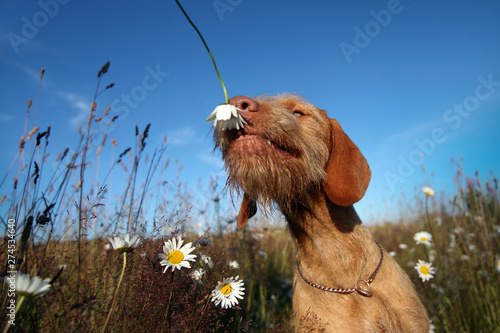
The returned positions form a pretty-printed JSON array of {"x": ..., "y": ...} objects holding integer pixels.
[{"x": 245, "y": 103}]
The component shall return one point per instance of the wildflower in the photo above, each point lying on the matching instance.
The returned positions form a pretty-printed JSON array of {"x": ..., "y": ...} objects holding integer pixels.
[
  {"x": 470, "y": 184},
  {"x": 432, "y": 327},
  {"x": 423, "y": 237},
  {"x": 207, "y": 260},
  {"x": 392, "y": 253},
  {"x": 125, "y": 244},
  {"x": 228, "y": 115},
  {"x": 175, "y": 255},
  {"x": 497, "y": 265},
  {"x": 234, "y": 264},
  {"x": 438, "y": 221},
  {"x": 425, "y": 270},
  {"x": 197, "y": 274},
  {"x": 403, "y": 246},
  {"x": 26, "y": 286},
  {"x": 257, "y": 236},
  {"x": 428, "y": 190},
  {"x": 227, "y": 292}
]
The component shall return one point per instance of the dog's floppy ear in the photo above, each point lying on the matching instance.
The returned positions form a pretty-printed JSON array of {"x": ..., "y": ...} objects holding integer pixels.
[
  {"x": 348, "y": 173},
  {"x": 247, "y": 210}
]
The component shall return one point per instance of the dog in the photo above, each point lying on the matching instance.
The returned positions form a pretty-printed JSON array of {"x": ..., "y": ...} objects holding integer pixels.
[{"x": 290, "y": 155}]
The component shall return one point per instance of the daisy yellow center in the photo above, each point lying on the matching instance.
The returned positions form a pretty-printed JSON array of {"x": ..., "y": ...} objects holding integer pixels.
[
  {"x": 423, "y": 239},
  {"x": 424, "y": 270},
  {"x": 226, "y": 289},
  {"x": 175, "y": 257}
]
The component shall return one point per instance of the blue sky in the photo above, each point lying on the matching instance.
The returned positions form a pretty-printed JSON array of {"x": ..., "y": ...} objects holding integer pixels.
[{"x": 413, "y": 83}]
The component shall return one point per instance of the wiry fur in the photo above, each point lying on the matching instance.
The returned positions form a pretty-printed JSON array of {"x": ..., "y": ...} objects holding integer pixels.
[
  {"x": 314, "y": 173},
  {"x": 267, "y": 173}
]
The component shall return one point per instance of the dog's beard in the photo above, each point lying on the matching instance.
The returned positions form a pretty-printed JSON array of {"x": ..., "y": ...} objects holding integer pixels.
[{"x": 285, "y": 180}]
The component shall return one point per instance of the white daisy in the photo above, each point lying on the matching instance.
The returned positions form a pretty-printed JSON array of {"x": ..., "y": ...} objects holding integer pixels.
[
  {"x": 423, "y": 237},
  {"x": 428, "y": 190},
  {"x": 26, "y": 286},
  {"x": 425, "y": 270},
  {"x": 228, "y": 115},
  {"x": 497, "y": 265},
  {"x": 125, "y": 244},
  {"x": 175, "y": 255},
  {"x": 234, "y": 264},
  {"x": 403, "y": 246},
  {"x": 227, "y": 292}
]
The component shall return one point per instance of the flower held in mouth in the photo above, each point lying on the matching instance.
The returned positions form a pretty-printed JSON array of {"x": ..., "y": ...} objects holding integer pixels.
[{"x": 228, "y": 115}]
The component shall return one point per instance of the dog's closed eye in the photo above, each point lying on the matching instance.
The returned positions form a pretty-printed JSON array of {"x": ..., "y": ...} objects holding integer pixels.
[{"x": 298, "y": 113}]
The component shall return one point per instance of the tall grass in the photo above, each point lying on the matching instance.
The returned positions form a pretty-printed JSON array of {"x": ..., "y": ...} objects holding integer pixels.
[
  {"x": 63, "y": 215},
  {"x": 465, "y": 250}
]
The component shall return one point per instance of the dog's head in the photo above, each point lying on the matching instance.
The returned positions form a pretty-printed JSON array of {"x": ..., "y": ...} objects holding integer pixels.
[{"x": 288, "y": 150}]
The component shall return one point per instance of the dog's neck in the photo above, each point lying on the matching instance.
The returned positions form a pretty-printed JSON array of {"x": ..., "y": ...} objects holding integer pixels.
[{"x": 332, "y": 244}]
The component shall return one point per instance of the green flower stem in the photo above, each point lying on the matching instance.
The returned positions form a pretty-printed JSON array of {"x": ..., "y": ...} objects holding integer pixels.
[
  {"x": 117, "y": 288},
  {"x": 7, "y": 326},
  {"x": 21, "y": 300},
  {"x": 206, "y": 46},
  {"x": 167, "y": 312}
]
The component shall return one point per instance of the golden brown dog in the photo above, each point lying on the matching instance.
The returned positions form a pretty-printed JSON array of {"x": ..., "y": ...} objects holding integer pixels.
[{"x": 291, "y": 154}]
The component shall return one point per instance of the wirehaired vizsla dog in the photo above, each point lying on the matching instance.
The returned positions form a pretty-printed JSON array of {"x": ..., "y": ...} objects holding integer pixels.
[{"x": 292, "y": 155}]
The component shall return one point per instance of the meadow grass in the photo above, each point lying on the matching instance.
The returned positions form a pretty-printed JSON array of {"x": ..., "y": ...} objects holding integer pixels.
[{"x": 63, "y": 216}]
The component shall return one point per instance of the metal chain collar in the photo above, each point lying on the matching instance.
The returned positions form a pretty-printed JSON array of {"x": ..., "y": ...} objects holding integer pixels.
[{"x": 359, "y": 288}]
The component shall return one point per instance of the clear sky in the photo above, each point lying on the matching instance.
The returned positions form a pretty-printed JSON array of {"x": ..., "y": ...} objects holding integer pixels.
[{"x": 413, "y": 83}]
